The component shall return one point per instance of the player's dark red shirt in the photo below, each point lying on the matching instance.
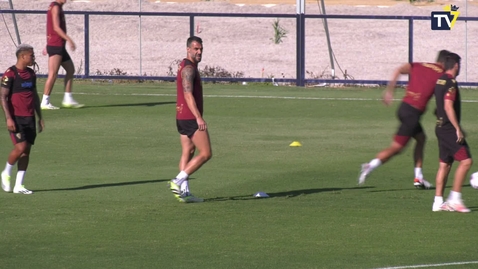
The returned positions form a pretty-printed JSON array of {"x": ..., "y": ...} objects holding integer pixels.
[
  {"x": 423, "y": 77},
  {"x": 182, "y": 110},
  {"x": 447, "y": 89},
  {"x": 52, "y": 38},
  {"x": 22, "y": 87}
]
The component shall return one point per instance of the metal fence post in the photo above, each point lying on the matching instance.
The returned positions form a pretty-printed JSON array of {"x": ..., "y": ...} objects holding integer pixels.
[
  {"x": 87, "y": 45},
  {"x": 140, "y": 41},
  {"x": 300, "y": 79},
  {"x": 302, "y": 50},
  {"x": 191, "y": 25},
  {"x": 297, "y": 50},
  {"x": 410, "y": 40}
]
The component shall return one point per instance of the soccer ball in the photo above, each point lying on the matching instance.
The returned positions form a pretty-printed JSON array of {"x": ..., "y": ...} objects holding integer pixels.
[{"x": 474, "y": 180}]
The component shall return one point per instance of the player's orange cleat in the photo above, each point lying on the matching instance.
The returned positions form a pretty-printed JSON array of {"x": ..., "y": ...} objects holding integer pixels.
[{"x": 421, "y": 184}]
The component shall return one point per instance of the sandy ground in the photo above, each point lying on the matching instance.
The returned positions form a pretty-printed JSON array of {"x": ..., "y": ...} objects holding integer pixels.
[{"x": 366, "y": 49}]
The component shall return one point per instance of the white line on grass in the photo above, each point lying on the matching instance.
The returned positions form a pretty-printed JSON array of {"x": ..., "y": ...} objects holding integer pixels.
[
  {"x": 253, "y": 96},
  {"x": 429, "y": 265}
]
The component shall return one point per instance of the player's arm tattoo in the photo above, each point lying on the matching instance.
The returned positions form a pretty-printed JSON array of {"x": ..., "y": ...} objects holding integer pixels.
[
  {"x": 4, "y": 92},
  {"x": 187, "y": 79}
]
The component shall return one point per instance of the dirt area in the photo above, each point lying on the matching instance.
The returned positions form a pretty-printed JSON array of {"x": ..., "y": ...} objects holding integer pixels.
[
  {"x": 365, "y": 49},
  {"x": 327, "y": 2}
]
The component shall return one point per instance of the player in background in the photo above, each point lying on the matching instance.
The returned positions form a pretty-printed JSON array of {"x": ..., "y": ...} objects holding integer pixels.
[
  {"x": 421, "y": 86},
  {"x": 58, "y": 56},
  {"x": 191, "y": 126},
  {"x": 20, "y": 101},
  {"x": 451, "y": 139}
]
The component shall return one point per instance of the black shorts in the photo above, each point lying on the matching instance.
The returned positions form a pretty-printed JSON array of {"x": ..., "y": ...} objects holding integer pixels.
[
  {"x": 25, "y": 130},
  {"x": 187, "y": 127},
  {"x": 449, "y": 150},
  {"x": 410, "y": 126},
  {"x": 54, "y": 50}
]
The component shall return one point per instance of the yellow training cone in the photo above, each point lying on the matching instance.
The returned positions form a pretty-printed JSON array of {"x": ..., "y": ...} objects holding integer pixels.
[{"x": 295, "y": 144}]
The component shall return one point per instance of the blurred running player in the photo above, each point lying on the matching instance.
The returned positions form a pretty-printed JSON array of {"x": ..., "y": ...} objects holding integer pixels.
[{"x": 420, "y": 89}]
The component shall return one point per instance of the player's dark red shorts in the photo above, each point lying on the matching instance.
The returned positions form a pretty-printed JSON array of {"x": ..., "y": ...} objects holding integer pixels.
[
  {"x": 410, "y": 126},
  {"x": 54, "y": 50},
  {"x": 25, "y": 130},
  {"x": 187, "y": 127},
  {"x": 449, "y": 150}
]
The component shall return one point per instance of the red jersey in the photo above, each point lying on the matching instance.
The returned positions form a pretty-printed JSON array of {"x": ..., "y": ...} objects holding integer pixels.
[
  {"x": 182, "y": 110},
  {"x": 52, "y": 38},
  {"x": 423, "y": 78},
  {"x": 22, "y": 87}
]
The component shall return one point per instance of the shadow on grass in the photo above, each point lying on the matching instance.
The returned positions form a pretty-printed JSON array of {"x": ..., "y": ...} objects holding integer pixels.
[
  {"x": 150, "y": 104},
  {"x": 405, "y": 189},
  {"x": 286, "y": 194},
  {"x": 106, "y": 185}
]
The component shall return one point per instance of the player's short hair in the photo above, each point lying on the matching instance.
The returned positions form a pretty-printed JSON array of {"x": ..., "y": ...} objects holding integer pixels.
[
  {"x": 442, "y": 54},
  {"x": 192, "y": 39},
  {"x": 451, "y": 60},
  {"x": 22, "y": 48}
]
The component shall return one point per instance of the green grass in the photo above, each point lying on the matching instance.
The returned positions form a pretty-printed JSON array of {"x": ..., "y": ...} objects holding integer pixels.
[{"x": 101, "y": 199}]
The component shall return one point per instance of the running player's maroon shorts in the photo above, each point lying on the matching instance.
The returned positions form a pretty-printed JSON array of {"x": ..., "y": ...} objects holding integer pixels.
[{"x": 410, "y": 126}]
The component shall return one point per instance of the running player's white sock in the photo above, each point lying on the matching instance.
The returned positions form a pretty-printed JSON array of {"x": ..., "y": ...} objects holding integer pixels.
[
  {"x": 180, "y": 178},
  {"x": 185, "y": 186},
  {"x": 8, "y": 169},
  {"x": 68, "y": 97},
  {"x": 374, "y": 164},
  {"x": 454, "y": 196},
  {"x": 438, "y": 199},
  {"x": 19, "y": 179},
  {"x": 45, "y": 100},
  {"x": 418, "y": 173}
]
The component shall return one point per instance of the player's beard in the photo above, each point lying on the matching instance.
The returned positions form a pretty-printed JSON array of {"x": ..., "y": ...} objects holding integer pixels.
[{"x": 198, "y": 58}]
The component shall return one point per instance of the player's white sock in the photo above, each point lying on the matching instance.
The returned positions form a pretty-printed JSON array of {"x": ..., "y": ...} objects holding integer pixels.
[
  {"x": 45, "y": 100},
  {"x": 438, "y": 199},
  {"x": 19, "y": 179},
  {"x": 418, "y": 173},
  {"x": 374, "y": 164},
  {"x": 180, "y": 178},
  {"x": 454, "y": 196},
  {"x": 68, "y": 97},
  {"x": 8, "y": 169},
  {"x": 185, "y": 186}
]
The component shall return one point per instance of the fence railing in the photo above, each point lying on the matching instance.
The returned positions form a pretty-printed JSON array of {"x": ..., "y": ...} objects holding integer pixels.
[{"x": 299, "y": 80}]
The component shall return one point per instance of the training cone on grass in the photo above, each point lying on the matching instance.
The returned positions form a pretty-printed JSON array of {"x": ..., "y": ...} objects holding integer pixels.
[
  {"x": 261, "y": 195},
  {"x": 295, "y": 144}
]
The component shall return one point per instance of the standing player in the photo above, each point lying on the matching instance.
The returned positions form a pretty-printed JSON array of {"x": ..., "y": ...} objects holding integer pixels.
[
  {"x": 58, "y": 56},
  {"x": 190, "y": 123},
  {"x": 423, "y": 77},
  {"x": 20, "y": 101},
  {"x": 451, "y": 139}
]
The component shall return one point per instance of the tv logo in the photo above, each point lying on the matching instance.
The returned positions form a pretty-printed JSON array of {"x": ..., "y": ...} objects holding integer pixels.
[{"x": 445, "y": 20}]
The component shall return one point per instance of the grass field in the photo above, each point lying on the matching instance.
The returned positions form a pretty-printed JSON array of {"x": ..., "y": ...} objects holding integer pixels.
[{"x": 101, "y": 199}]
